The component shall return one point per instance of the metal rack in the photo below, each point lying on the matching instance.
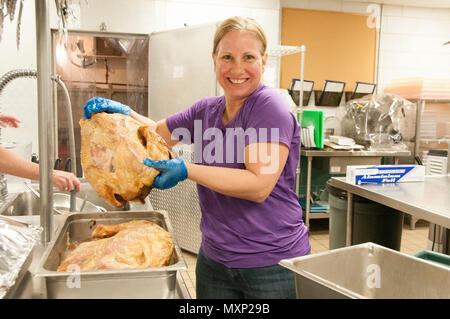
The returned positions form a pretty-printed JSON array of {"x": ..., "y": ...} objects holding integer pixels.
[
  {"x": 279, "y": 51},
  {"x": 341, "y": 159},
  {"x": 282, "y": 50},
  {"x": 419, "y": 111}
]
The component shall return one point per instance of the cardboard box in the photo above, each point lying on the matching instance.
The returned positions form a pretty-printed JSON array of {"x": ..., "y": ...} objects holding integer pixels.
[{"x": 376, "y": 174}]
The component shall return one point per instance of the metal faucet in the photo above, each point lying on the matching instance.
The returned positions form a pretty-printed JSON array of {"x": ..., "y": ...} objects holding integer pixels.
[
  {"x": 27, "y": 73},
  {"x": 45, "y": 118},
  {"x": 4, "y": 80}
]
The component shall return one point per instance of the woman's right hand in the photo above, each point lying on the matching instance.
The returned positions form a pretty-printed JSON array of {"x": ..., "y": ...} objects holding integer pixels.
[{"x": 99, "y": 104}]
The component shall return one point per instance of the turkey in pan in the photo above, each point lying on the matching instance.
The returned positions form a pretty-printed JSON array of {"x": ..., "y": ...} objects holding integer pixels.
[{"x": 131, "y": 245}]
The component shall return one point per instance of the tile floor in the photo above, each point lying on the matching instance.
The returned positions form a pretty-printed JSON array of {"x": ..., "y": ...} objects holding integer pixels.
[{"x": 412, "y": 241}]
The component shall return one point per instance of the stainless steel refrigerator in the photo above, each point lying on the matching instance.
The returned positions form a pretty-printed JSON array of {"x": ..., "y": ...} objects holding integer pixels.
[
  {"x": 181, "y": 72},
  {"x": 181, "y": 69}
]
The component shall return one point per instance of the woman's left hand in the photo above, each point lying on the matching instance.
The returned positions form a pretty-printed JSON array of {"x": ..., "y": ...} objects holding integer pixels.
[
  {"x": 172, "y": 172},
  {"x": 8, "y": 120}
]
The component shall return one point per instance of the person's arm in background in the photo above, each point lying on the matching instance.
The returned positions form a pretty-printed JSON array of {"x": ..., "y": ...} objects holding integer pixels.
[
  {"x": 13, "y": 164},
  {"x": 8, "y": 120}
]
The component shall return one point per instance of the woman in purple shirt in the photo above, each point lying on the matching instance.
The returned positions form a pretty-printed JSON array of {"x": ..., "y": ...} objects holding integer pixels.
[{"x": 246, "y": 153}]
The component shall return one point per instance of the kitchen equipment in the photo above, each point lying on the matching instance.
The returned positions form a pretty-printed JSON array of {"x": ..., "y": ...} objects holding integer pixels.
[
  {"x": 68, "y": 165},
  {"x": 57, "y": 163},
  {"x": 159, "y": 282},
  {"x": 35, "y": 192},
  {"x": 73, "y": 200},
  {"x": 62, "y": 203},
  {"x": 367, "y": 271},
  {"x": 83, "y": 204},
  {"x": 13, "y": 221},
  {"x": 315, "y": 119}
]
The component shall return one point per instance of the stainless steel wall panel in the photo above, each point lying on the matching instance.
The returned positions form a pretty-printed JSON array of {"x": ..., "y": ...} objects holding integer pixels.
[
  {"x": 181, "y": 69},
  {"x": 181, "y": 203}
]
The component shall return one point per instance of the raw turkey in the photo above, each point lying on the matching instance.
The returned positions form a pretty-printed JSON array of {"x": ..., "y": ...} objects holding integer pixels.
[
  {"x": 131, "y": 245},
  {"x": 112, "y": 149}
]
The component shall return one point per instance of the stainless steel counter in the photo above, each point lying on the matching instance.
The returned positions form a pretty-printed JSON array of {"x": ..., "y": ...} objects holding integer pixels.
[
  {"x": 329, "y": 152},
  {"x": 428, "y": 200},
  {"x": 340, "y": 159}
]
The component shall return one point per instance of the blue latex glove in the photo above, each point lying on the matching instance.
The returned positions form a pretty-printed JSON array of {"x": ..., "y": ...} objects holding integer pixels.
[
  {"x": 99, "y": 104},
  {"x": 172, "y": 172}
]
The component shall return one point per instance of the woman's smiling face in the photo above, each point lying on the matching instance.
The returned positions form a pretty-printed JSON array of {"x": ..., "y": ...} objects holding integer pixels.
[{"x": 239, "y": 64}]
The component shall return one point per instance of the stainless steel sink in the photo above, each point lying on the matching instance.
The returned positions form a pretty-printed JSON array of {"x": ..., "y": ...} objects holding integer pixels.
[
  {"x": 367, "y": 271},
  {"x": 26, "y": 203},
  {"x": 22, "y": 204}
]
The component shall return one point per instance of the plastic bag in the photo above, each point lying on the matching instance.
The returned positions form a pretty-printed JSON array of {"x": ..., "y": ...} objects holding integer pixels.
[{"x": 379, "y": 121}]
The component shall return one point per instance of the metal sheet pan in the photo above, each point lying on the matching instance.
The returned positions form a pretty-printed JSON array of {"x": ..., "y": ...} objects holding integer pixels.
[{"x": 158, "y": 282}]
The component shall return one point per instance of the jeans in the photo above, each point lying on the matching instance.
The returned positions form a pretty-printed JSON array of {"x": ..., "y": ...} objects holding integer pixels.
[{"x": 216, "y": 281}]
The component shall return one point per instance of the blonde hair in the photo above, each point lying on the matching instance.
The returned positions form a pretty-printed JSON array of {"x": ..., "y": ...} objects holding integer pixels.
[{"x": 240, "y": 23}]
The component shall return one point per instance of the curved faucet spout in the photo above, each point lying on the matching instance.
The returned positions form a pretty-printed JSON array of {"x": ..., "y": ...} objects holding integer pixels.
[
  {"x": 24, "y": 73},
  {"x": 29, "y": 73}
]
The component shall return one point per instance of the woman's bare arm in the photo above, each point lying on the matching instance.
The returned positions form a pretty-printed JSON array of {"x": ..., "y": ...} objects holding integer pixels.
[{"x": 13, "y": 164}]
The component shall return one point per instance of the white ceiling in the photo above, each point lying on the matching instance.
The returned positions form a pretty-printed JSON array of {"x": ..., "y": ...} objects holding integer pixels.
[{"x": 412, "y": 3}]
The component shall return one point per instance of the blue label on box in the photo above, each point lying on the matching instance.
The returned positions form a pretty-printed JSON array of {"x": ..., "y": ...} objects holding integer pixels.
[{"x": 384, "y": 175}]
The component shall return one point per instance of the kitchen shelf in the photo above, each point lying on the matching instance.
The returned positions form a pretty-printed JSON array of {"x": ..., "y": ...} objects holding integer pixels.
[
  {"x": 435, "y": 140},
  {"x": 105, "y": 56},
  {"x": 283, "y": 50},
  {"x": 420, "y": 103},
  {"x": 319, "y": 215}
]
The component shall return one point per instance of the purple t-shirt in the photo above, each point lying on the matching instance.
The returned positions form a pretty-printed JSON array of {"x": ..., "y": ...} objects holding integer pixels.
[{"x": 236, "y": 232}]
